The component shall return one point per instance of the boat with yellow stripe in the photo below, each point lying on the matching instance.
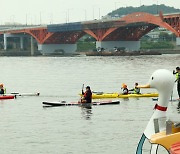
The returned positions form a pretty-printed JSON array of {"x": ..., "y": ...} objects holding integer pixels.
[{"x": 101, "y": 95}]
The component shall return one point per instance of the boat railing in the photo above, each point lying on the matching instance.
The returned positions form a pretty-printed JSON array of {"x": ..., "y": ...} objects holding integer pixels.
[
  {"x": 171, "y": 127},
  {"x": 158, "y": 122}
]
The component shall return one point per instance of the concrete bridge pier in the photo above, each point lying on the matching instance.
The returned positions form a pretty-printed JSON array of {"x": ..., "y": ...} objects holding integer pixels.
[
  {"x": 178, "y": 41},
  {"x": 20, "y": 36},
  {"x": 109, "y": 45},
  {"x": 47, "y": 49},
  {"x": 32, "y": 46},
  {"x": 5, "y": 41},
  {"x": 21, "y": 43}
]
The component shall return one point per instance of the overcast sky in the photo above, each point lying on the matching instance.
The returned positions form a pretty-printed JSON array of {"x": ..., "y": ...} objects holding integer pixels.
[{"x": 61, "y": 11}]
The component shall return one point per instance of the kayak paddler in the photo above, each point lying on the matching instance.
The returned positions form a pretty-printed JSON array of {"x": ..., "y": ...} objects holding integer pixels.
[
  {"x": 87, "y": 95},
  {"x": 2, "y": 89},
  {"x": 124, "y": 89},
  {"x": 135, "y": 90}
]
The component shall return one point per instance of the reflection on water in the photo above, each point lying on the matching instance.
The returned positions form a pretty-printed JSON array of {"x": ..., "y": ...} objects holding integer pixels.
[
  {"x": 86, "y": 111},
  {"x": 126, "y": 99}
]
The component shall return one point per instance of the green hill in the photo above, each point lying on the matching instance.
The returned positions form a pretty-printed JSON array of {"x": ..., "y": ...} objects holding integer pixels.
[{"x": 153, "y": 9}]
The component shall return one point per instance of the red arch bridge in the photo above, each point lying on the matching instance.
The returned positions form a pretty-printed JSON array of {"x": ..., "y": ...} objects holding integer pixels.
[{"x": 122, "y": 32}]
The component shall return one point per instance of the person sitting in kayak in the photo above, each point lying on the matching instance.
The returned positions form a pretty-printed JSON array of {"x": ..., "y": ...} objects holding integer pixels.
[
  {"x": 125, "y": 90},
  {"x": 2, "y": 90},
  {"x": 135, "y": 90},
  {"x": 87, "y": 95}
]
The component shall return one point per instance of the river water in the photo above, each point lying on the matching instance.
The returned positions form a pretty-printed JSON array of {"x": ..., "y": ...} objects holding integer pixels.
[{"x": 26, "y": 127}]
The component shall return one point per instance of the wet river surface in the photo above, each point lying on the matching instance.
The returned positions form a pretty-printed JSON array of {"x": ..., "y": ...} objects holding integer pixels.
[{"x": 26, "y": 127}]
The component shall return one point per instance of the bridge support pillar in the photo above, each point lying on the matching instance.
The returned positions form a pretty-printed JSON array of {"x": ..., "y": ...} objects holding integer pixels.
[
  {"x": 32, "y": 46},
  {"x": 109, "y": 45},
  {"x": 46, "y": 49},
  {"x": 5, "y": 42},
  {"x": 178, "y": 41},
  {"x": 21, "y": 43}
]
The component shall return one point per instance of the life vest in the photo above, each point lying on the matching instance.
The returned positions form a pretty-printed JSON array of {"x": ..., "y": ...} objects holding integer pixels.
[
  {"x": 125, "y": 91},
  {"x": 88, "y": 96},
  {"x": 136, "y": 90},
  {"x": 85, "y": 94},
  {"x": 177, "y": 75},
  {"x": 2, "y": 91}
]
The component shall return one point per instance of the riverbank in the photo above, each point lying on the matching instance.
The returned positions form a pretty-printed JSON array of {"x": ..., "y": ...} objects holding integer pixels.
[
  {"x": 165, "y": 51},
  {"x": 19, "y": 53},
  {"x": 132, "y": 53},
  {"x": 91, "y": 53},
  {"x": 36, "y": 53}
]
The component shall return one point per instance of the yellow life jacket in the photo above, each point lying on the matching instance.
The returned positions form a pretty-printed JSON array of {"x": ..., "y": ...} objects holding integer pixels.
[
  {"x": 177, "y": 75},
  {"x": 4, "y": 90},
  {"x": 136, "y": 90}
]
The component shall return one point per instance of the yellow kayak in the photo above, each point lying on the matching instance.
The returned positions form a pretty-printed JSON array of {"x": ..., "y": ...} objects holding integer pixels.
[{"x": 118, "y": 95}]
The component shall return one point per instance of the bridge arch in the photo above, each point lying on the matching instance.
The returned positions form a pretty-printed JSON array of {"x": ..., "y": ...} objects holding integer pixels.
[
  {"x": 42, "y": 36},
  {"x": 141, "y": 17},
  {"x": 39, "y": 34},
  {"x": 64, "y": 37}
]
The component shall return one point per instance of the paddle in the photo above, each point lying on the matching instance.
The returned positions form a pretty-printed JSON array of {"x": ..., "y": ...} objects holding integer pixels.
[
  {"x": 82, "y": 93},
  {"x": 82, "y": 88}
]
